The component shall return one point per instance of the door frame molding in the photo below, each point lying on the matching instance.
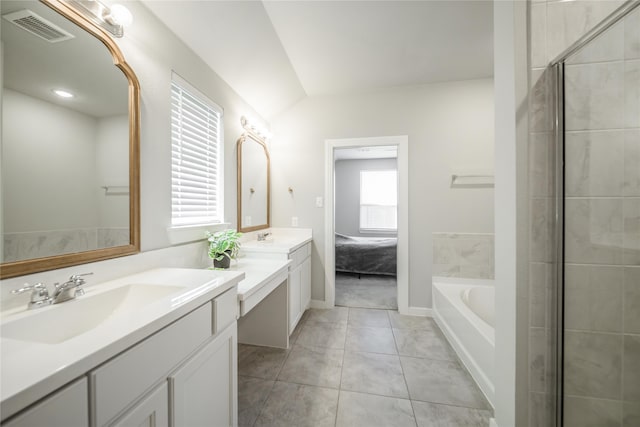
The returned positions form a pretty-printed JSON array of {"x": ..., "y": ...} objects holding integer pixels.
[{"x": 402, "y": 142}]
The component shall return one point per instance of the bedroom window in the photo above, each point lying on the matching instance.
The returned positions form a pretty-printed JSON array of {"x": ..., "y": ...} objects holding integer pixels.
[
  {"x": 196, "y": 157},
  {"x": 379, "y": 200}
]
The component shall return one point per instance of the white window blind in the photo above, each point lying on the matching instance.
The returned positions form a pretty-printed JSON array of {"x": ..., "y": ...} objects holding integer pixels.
[
  {"x": 196, "y": 157},
  {"x": 379, "y": 200}
]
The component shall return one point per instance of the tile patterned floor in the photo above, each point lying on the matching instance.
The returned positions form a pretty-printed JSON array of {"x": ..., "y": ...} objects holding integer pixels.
[
  {"x": 359, "y": 367},
  {"x": 366, "y": 290}
]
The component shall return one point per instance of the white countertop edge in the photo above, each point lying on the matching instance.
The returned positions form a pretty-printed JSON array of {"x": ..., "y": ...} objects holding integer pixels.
[
  {"x": 20, "y": 396},
  {"x": 279, "y": 267},
  {"x": 274, "y": 247}
]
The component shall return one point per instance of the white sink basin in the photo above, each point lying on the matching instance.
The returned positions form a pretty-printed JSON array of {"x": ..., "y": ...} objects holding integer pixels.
[{"x": 60, "y": 322}]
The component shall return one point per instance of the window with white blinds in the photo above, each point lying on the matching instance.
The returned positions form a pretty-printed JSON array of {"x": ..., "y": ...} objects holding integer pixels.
[
  {"x": 196, "y": 157},
  {"x": 379, "y": 200}
]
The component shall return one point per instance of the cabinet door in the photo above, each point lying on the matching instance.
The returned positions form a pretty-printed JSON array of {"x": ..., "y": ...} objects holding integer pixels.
[
  {"x": 305, "y": 285},
  {"x": 204, "y": 390},
  {"x": 67, "y": 407},
  {"x": 295, "y": 278},
  {"x": 152, "y": 411}
]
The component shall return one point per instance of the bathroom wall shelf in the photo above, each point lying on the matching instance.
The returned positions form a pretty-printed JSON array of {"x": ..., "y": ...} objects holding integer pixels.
[{"x": 472, "y": 181}]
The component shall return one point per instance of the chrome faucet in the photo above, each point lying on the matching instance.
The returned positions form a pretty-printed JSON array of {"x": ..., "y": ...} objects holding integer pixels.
[
  {"x": 69, "y": 289},
  {"x": 63, "y": 292},
  {"x": 263, "y": 236},
  {"x": 39, "y": 295}
]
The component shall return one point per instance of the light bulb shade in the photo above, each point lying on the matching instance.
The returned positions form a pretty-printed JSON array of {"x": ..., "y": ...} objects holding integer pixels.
[{"x": 121, "y": 15}]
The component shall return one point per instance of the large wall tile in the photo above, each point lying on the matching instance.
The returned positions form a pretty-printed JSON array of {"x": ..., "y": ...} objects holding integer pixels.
[
  {"x": 537, "y": 360},
  {"x": 593, "y": 364},
  {"x": 632, "y": 35},
  {"x": 631, "y": 239},
  {"x": 593, "y": 298},
  {"x": 608, "y": 46},
  {"x": 463, "y": 255},
  {"x": 540, "y": 281},
  {"x": 630, "y": 414},
  {"x": 593, "y": 231},
  {"x": 541, "y": 241},
  {"x": 592, "y": 96},
  {"x": 567, "y": 21},
  {"x": 631, "y": 379},
  {"x": 538, "y": 46},
  {"x": 584, "y": 412},
  {"x": 594, "y": 163},
  {"x": 632, "y": 93},
  {"x": 632, "y": 300},
  {"x": 541, "y": 164},
  {"x": 540, "y": 107},
  {"x": 632, "y": 162}
]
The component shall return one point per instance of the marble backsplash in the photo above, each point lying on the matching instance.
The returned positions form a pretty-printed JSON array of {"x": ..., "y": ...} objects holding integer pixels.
[
  {"x": 469, "y": 255},
  {"x": 21, "y": 246}
]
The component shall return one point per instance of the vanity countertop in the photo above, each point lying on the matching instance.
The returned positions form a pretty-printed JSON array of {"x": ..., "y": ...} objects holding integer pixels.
[
  {"x": 280, "y": 240},
  {"x": 258, "y": 272},
  {"x": 31, "y": 369}
]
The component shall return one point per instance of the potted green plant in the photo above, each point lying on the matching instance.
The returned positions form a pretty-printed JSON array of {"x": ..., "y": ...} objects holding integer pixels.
[{"x": 223, "y": 247}]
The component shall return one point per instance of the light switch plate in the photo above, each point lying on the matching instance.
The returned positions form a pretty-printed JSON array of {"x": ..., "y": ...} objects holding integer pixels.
[
  {"x": 294, "y": 221},
  {"x": 319, "y": 202}
]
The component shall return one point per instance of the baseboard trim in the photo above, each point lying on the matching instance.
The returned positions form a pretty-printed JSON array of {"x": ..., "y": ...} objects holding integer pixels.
[
  {"x": 420, "y": 311},
  {"x": 316, "y": 303}
]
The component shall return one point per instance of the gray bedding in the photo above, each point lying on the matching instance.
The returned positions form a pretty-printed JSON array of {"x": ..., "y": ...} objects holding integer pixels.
[{"x": 366, "y": 255}]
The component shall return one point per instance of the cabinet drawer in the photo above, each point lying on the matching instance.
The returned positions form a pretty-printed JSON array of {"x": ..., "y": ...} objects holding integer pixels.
[
  {"x": 225, "y": 309},
  {"x": 298, "y": 256},
  {"x": 122, "y": 380},
  {"x": 65, "y": 408}
]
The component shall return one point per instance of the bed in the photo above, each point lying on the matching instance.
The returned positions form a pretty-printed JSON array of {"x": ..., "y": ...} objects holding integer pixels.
[{"x": 366, "y": 255}]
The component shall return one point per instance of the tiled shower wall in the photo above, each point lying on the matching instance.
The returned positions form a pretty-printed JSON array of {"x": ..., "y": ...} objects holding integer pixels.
[
  {"x": 469, "y": 255},
  {"x": 603, "y": 215}
]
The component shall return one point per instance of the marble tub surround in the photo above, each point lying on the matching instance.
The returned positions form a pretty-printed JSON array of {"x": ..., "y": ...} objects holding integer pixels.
[
  {"x": 469, "y": 255},
  {"x": 320, "y": 382},
  {"x": 39, "y": 244}
]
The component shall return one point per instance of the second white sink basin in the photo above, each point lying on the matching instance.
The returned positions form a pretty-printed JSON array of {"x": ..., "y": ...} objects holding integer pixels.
[{"x": 60, "y": 322}]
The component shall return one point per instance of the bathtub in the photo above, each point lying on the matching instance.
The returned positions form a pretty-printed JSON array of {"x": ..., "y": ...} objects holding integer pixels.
[{"x": 464, "y": 310}]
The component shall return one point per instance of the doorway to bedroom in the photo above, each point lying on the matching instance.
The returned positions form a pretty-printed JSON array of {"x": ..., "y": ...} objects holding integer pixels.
[
  {"x": 367, "y": 223},
  {"x": 366, "y": 226}
]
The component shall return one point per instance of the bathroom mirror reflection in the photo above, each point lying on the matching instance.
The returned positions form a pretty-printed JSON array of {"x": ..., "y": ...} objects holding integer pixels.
[
  {"x": 253, "y": 184},
  {"x": 69, "y": 140}
]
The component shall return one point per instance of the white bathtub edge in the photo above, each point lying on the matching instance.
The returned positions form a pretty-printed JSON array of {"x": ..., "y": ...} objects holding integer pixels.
[{"x": 485, "y": 384}]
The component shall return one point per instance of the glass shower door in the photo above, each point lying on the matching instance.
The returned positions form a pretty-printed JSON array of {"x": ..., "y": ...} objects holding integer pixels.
[{"x": 601, "y": 206}]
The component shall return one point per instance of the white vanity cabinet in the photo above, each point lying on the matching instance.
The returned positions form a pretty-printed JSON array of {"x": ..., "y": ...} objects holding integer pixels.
[
  {"x": 195, "y": 356},
  {"x": 299, "y": 284},
  {"x": 66, "y": 407},
  {"x": 203, "y": 391},
  {"x": 184, "y": 374}
]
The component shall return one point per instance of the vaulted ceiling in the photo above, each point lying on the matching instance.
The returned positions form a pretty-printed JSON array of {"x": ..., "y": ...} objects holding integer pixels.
[{"x": 274, "y": 53}]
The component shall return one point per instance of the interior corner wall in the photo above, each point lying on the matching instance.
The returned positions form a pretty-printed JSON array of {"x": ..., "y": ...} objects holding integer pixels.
[
  {"x": 347, "y": 193},
  {"x": 153, "y": 51},
  {"x": 450, "y": 127}
]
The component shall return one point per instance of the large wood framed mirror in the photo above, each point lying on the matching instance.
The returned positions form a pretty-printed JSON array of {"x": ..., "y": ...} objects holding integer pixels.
[
  {"x": 69, "y": 166},
  {"x": 254, "y": 183}
]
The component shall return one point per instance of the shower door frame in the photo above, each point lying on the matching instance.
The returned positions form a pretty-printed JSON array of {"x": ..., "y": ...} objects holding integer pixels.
[{"x": 557, "y": 70}]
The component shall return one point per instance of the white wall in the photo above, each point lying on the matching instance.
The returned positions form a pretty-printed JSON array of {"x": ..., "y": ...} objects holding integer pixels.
[
  {"x": 347, "y": 193},
  {"x": 450, "y": 129},
  {"x": 112, "y": 169},
  {"x": 49, "y": 155},
  {"x": 153, "y": 52}
]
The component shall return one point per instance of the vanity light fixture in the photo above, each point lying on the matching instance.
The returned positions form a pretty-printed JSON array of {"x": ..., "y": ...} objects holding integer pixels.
[
  {"x": 63, "y": 93},
  {"x": 112, "y": 19},
  {"x": 255, "y": 129}
]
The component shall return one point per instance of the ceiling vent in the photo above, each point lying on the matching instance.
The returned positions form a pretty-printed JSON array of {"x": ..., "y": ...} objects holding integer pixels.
[{"x": 38, "y": 26}]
